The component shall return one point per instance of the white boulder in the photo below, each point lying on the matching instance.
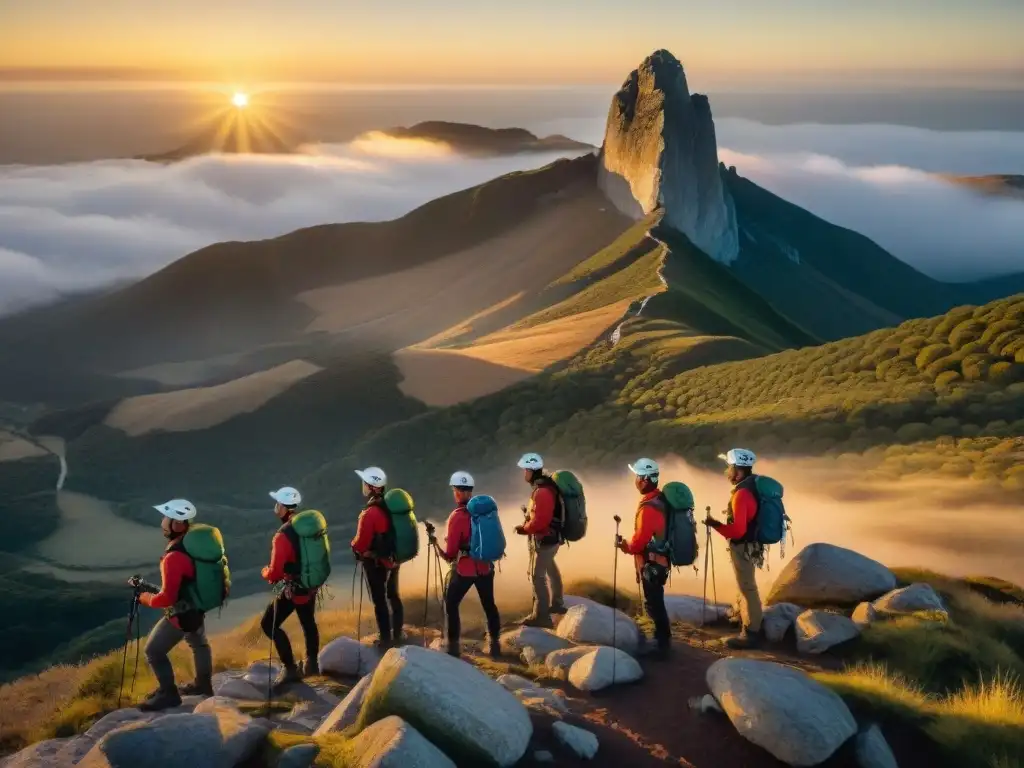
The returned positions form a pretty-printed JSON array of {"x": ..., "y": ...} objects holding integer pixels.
[
  {"x": 542, "y": 641},
  {"x": 453, "y": 704},
  {"x": 559, "y": 662},
  {"x": 824, "y": 574},
  {"x": 345, "y": 656},
  {"x": 781, "y": 709},
  {"x": 580, "y": 742},
  {"x": 233, "y": 686},
  {"x": 778, "y": 619},
  {"x": 543, "y": 699},
  {"x": 600, "y": 625},
  {"x": 603, "y": 667},
  {"x": 261, "y": 674},
  {"x": 347, "y": 712},
  {"x": 393, "y": 743},
  {"x": 817, "y": 631},
  {"x": 217, "y": 737},
  {"x": 916, "y": 597},
  {"x": 694, "y": 610},
  {"x": 513, "y": 683}
]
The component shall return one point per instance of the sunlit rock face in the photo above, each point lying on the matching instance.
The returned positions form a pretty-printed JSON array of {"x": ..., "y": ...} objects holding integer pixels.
[{"x": 660, "y": 151}]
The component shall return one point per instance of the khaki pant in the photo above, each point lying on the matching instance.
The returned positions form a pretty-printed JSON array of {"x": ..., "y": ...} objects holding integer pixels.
[
  {"x": 544, "y": 573},
  {"x": 750, "y": 599}
]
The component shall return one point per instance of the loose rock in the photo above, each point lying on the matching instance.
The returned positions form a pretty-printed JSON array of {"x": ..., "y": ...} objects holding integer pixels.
[
  {"x": 781, "y": 709},
  {"x": 916, "y": 597},
  {"x": 693, "y": 610},
  {"x": 393, "y": 743},
  {"x": 593, "y": 625},
  {"x": 817, "y": 631},
  {"x": 457, "y": 707},
  {"x": 580, "y": 742},
  {"x": 824, "y": 574},
  {"x": 864, "y": 615},
  {"x": 542, "y": 641},
  {"x": 594, "y": 671},
  {"x": 778, "y": 619},
  {"x": 558, "y": 663},
  {"x": 344, "y": 656},
  {"x": 232, "y": 686}
]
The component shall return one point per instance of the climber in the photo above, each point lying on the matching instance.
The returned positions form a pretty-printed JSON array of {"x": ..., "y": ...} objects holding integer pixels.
[
  {"x": 652, "y": 567},
  {"x": 300, "y": 567},
  {"x": 746, "y": 555},
  {"x": 544, "y": 542},
  {"x": 182, "y": 619},
  {"x": 467, "y": 571},
  {"x": 373, "y": 547}
]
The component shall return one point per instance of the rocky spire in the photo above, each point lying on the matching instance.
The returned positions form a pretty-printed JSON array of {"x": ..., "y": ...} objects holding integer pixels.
[{"x": 660, "y": 151}]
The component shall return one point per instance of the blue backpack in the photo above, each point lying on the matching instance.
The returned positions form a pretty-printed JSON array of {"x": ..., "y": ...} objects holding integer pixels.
[
  {"x": 487, "y": 539},
  {"x": 771, "y": 522}
]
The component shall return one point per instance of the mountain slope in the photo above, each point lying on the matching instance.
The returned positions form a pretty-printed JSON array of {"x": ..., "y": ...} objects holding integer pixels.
[{"x": 476, "y": 140}]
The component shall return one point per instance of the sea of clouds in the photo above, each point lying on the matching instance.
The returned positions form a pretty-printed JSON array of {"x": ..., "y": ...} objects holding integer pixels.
[{"x": 66, "y": 228}]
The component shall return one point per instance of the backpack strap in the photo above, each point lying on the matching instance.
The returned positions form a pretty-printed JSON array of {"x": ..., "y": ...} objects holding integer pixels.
[
  {"x": 183, "y": 605},
  {"x": 558, "y": 516},
  {"x": 749, "y": 483}
]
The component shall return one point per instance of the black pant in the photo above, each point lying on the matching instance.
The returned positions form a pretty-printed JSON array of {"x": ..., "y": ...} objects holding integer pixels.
[
  {"x": 383, "y": 584},
  {"x": 458, "y": 586},
  {"x": 275, "y": 616},
  {"x": 653, "y": 581}
]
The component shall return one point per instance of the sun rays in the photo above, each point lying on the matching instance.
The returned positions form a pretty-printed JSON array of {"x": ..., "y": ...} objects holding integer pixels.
[{"x": 244, "y": 123}]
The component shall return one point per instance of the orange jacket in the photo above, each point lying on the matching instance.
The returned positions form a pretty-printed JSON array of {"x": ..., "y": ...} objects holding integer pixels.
[
  {"x": 374, "y": 522},
  {"x": 456, "y": 543},
  {"x": 540, "y": 512},
  {"x": 281, "y": 554},
  {"x": 175, "y": 568},
  {"x": 742, "y": 509},
  {"x": 648, "y": 523}
]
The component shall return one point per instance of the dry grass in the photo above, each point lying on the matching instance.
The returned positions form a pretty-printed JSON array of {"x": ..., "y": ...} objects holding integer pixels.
[{"x": 981, "y": 725}]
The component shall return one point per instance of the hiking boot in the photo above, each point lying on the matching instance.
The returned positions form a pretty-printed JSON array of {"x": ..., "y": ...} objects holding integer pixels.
[
  {"x": 543, "y": 622},
  {"x": 287, "y": 676},
  {"x": 455, "y": 650},
  {"x": 197, "y": 688},
  {"x": 160, "y": 700},
  {"x": 400, "y": 639},
  {"x": 744, "y": 640},
  {"x": 311, "y": 668},
  {"x": 494, "y": 650},
  {"x": 559, "y": 609},
  {"x": 382, "y": 644}
]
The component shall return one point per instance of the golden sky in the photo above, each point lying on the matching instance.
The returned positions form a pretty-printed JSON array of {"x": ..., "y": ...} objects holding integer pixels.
[{"x": 728, "y": 42}]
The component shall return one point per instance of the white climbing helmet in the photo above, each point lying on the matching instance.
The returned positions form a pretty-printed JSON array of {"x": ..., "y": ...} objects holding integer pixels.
[
  {"x": 287, "y": 496},
  {"x": 373, "y": 477},
  {"x": 461, "y": 480},
  {"x": 177, "y": 509},
  {"x": 644, "y": 468},
  {"x": 739, "y": 457},
  {"x": 531, "y": 461}
]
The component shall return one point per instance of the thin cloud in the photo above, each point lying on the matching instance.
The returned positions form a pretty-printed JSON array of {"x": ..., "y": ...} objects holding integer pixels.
[{"x": 83, "y": 226}]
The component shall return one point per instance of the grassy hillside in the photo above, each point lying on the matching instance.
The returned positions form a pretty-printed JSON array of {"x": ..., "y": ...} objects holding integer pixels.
[{"x": 939, "y": 394}]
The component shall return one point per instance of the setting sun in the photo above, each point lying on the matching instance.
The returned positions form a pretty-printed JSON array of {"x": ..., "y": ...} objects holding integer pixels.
[{"x": 240, "y": 100}]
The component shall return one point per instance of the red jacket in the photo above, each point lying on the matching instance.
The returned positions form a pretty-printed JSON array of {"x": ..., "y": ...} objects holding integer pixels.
[
  {"x": 742, "y": 508},
  {"x": 374, "y": 522},
  {"x": 648, "y": 523},
  {"x": 540, "y": 512},
  {"x": 281, "y": 554},
  {"x": 175, "y": 567},
  {"x": 456, "y": 543}
]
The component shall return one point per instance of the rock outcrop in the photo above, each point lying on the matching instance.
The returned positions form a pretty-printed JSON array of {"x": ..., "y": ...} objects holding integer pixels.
[
  {"x": 558, "y": 663},
  {"x": 916, "y": 597},
  {"x": 660, "y": 151},
  {"x": 599, "y": 625},
  {"x": 603, "y": 667},
  {"x": 694, "y": 610},
  {"x": 393, "y": 743},
  {"x": 824, "y": 574},
  {"x": 458, "y": 708},
  {"x": 778, "y": 619},
  {"x": 781, "y": 709},
  {"x": 542, "y": 641},
  {"x": 873, "y": 750},
  {"x": 817, "y": 631},
  {"x": 347, "y": 712},
  {"x": 345, "y": 656}
]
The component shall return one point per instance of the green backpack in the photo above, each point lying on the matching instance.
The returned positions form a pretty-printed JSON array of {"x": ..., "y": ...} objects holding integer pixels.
[
  {"x": 403, "y": 540},
  {"x": 209, "y": 589},
  {"x": 307, "y": 532},
  {"x": 573, "y": 523},
  {"x": 680, "y": 543}
]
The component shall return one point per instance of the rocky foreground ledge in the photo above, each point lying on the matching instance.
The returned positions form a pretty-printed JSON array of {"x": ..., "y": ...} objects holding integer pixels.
[{"x": 418, "y": 707}]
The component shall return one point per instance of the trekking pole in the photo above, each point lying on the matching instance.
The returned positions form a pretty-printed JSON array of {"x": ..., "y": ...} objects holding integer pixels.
[
  {"x": 132, "y": 612},
  {"x": 426, "y": 588},
  {"x": 707, "y": 550},
  {"x": 270, "y": 652},
  {"x": 359, "y": 613},
  {"x": 615, "y": 595}
]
